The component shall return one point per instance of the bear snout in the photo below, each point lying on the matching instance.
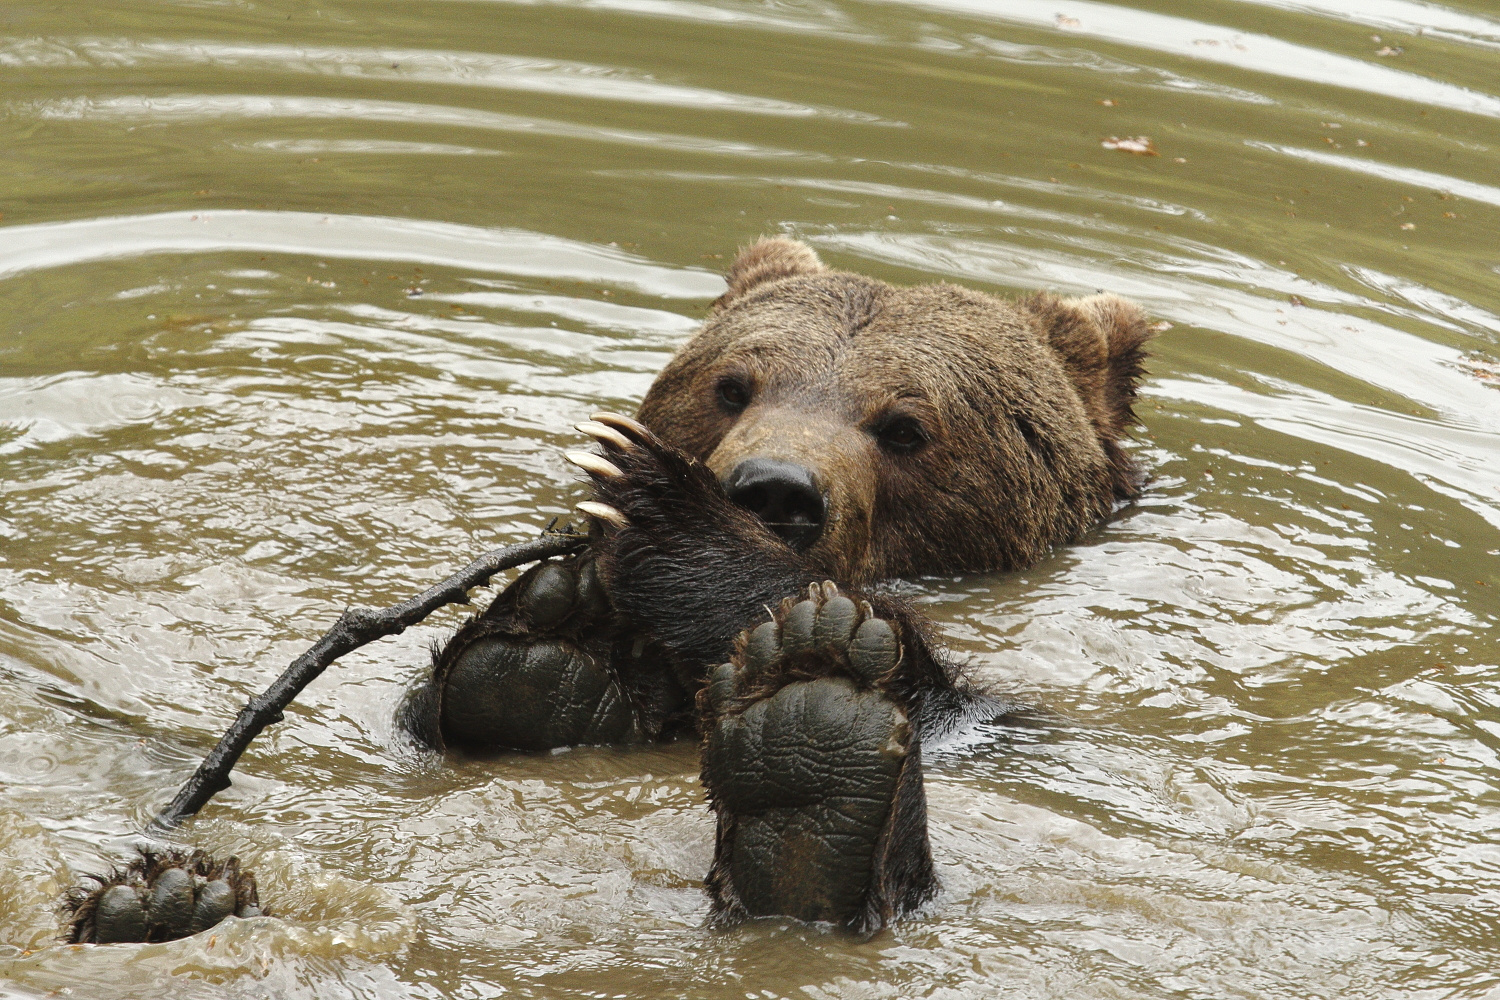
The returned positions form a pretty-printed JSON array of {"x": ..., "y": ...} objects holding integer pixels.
[{"x": 783, "y": 495}]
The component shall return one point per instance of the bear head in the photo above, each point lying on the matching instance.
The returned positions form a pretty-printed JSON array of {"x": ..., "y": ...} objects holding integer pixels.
[{"x": 886, "y": 431}]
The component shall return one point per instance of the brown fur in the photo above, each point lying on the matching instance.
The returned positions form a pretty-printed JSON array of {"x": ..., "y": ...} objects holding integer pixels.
[{"x": 1024, "y": 404}]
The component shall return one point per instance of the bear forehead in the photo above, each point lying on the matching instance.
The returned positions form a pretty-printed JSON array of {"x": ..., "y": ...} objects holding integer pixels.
[{"x": 928, "y": 340}]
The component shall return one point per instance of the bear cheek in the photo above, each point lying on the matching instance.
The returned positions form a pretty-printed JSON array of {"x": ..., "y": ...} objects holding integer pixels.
[{"x": 684, "y": 416}]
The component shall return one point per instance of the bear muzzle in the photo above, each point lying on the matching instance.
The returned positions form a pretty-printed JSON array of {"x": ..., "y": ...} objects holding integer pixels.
[{"x": 782, "y": 494}]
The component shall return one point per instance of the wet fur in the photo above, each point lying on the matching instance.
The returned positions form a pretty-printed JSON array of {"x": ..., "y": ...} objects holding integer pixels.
[
  {"x": 693, "y": 569},
  {"x": 1026, "y": 402}
]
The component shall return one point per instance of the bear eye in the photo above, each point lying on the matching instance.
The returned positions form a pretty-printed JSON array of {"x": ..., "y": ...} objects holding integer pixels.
[
  {"x": 733, "y": 394},
  {"x": 902, "y": 435}
]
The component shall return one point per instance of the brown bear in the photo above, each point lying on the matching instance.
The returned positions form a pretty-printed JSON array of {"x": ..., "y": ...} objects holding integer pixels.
[{"x": 823, "y": 430}]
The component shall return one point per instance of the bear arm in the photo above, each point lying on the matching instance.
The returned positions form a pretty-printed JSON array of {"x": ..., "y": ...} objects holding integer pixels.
[{"x": 689, "y": 567}]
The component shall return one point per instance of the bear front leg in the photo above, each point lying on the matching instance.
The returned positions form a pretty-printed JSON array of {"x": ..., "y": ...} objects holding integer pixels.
[
  {"x": 545, "y": 666},
  {"x": 812, "y": 731},
  {"x": 813, "y": 764}
]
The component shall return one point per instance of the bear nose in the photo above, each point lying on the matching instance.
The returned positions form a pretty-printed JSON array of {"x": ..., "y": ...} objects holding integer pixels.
[{"x": 783, "y": 495}]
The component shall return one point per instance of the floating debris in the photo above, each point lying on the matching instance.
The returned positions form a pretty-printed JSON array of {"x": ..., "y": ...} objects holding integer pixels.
[
  {"x": 1482, "y": 368},
  {"x": 1139, "y": 145}
]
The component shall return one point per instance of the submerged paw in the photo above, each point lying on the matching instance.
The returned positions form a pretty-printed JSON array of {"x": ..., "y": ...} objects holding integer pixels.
[{"x": 160, "y": 896}]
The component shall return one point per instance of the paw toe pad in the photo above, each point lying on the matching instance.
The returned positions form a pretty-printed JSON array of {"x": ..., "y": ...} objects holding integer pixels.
[
  {"x": 161, "y": 896},
  {"x": 824, "y": 633}
]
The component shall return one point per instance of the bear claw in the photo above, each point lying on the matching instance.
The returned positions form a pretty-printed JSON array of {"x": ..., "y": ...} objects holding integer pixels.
[
  {"x": 589, "y": 462},
  {"x": 620, "y": 422},
  {"x": 603, "y": 512},
  {"x": 159, "y": 896},
  {"x": 604, "y": 434},
  {"x": 814, "y": 770}
]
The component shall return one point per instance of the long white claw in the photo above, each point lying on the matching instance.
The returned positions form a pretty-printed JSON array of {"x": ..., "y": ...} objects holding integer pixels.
[
  {"x": 621, "y": 421},
  {"x": 607, "y": 434},
  {"x": 603, "y": 512},
  {"x": 589, "y": 462}
]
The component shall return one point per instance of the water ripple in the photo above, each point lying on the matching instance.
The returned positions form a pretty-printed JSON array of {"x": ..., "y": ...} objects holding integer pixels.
[
  {"x": 404, "y": 66},
  {"x": 1213, "y": 43},
  {"x": 356, "y": 237},
  {"x": 213, "y": 107}
]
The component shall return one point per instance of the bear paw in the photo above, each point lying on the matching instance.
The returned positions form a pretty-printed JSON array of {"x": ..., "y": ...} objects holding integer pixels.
[
  {"x": 814, "y": 769},
  {"x": 159, "y": 896},
  {"x": 683, "y": 562},
  {"x": 531, "y": 682}
]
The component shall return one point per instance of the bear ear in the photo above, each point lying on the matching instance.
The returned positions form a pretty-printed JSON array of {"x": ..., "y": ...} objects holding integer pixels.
[
  {"x": 767, "y": 259},
  {"x": 1101, "y": 342}
]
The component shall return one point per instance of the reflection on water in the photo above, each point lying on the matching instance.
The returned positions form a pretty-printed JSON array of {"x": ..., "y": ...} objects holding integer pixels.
[{"x": 300, "y": 304}]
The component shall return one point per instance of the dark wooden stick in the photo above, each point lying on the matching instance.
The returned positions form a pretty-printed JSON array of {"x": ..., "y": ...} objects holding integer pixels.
[{"x": 356, "y": 627}]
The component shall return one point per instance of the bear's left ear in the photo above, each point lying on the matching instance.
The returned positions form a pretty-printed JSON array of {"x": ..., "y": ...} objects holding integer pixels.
[
  {"x": 767, "y": 259},
  {"x": 1101, "y": 342}
]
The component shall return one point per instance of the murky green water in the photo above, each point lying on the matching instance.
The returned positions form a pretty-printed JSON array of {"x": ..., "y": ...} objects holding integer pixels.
[{"x": 299, "y": 302}]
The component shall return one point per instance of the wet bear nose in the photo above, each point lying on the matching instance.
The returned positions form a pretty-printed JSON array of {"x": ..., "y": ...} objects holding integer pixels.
[{"x": 783, "y": 495}]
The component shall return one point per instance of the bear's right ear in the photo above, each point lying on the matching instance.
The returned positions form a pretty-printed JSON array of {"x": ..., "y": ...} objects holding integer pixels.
[{"x": 767, "y": 259}]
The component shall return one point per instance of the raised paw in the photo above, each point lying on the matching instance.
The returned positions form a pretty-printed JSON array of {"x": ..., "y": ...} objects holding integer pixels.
[
  {"x": 683, "y": 562},
  {"x": 159, "y": 896},
  {"x": 533, "y": 672},
  {"x": 625, "y": 444},
  {"x": 641, "y": 482},
  {"x": 814, "y": 770}
]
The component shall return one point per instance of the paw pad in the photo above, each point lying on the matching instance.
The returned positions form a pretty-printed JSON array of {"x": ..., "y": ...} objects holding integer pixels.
[
  {"x": 534, "y": 675},
  {"x": 762, "y": 648},
  {"x": 875, "y": 650},
  {"x": 551, "y": 595},
  {"x": 809, "y": 760},
  {"x": 559, "y": 589}
]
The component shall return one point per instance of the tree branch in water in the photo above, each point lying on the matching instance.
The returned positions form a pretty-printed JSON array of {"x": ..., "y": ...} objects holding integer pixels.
[{"x": 356, "y": 627}]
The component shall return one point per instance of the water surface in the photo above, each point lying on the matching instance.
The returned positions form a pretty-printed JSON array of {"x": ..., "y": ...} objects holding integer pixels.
[{"x": 301, "y": 301}]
